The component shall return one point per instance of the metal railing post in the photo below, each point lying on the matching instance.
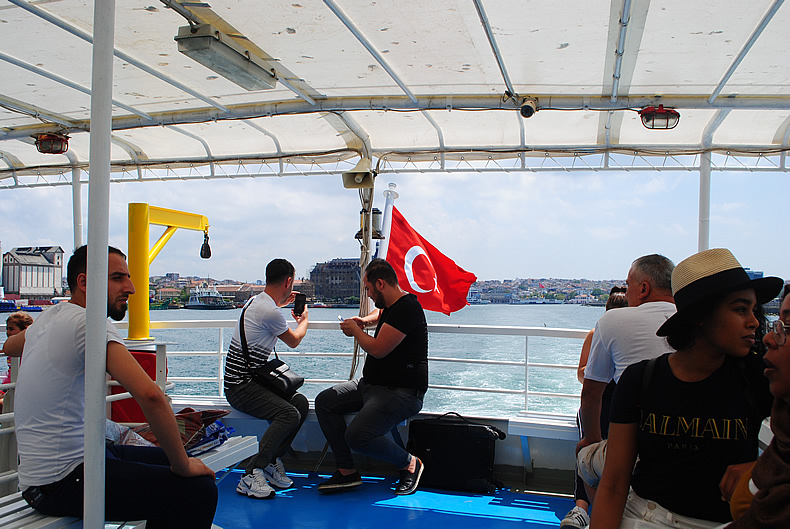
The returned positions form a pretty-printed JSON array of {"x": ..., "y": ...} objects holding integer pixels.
[
  {"x": 526, "y": 372},
  {"x": 220, "y": 371}
]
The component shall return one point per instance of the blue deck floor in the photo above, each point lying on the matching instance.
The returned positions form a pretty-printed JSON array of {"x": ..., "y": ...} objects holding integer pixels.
[{"x": 374, "y": 505}]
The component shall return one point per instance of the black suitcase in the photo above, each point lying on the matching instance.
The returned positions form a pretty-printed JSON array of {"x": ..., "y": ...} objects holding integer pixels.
[{"x": 458, "y": 454}]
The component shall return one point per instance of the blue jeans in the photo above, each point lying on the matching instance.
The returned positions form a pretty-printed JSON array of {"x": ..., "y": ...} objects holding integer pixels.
[
  {"x": 285, "y": 418},
  {"x": 139, "y": 486},
  {"x": 380, "y": 409}
]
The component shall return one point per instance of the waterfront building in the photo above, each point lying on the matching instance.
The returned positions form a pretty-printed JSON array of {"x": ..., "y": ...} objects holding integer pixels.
[
  {"x": 235, "y": 291},
  {"x": 33, "y": 272},
  {"x": 336, "y": 280},
  {"x": 498, "y": 295},
  {"x": 168, "y": 293},
  {"x": 306, "y": 287}
]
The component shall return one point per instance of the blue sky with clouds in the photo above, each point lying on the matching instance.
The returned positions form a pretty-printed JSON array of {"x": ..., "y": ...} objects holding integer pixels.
[{"x": 499, "y": 226}]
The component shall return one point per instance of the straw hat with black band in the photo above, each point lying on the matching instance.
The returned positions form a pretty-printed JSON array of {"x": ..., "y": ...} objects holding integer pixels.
[{"x": 709, "y": 273}]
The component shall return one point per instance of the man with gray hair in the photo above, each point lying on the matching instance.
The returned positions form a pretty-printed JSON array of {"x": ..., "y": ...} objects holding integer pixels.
[{"x": 623, "y": 337}]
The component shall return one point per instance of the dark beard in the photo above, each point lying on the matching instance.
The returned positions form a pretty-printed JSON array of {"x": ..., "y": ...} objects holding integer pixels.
[
  {"x": 379, "y": 303},
  {"x": 116, "y": 313}
]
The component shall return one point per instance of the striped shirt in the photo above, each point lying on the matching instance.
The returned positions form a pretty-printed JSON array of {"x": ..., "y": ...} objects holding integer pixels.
[{"x": 263, "y": 323}]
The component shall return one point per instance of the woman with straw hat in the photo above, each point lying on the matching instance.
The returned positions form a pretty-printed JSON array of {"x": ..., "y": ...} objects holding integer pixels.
[{"x": 691, "y": 416}]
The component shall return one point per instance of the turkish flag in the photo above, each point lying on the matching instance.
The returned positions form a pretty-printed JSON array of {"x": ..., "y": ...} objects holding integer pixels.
[{"x": 439, "y": 284}]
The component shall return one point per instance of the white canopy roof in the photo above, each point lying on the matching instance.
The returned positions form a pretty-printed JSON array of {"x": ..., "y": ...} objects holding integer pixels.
[{"x": 415, "y": 85}]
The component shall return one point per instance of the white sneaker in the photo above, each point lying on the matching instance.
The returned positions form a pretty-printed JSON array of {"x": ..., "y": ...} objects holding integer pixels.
[
  {"x": 255, "y": 486},
  {"x": 577, "y": 518},
  {"x": 275, "y": 474}
]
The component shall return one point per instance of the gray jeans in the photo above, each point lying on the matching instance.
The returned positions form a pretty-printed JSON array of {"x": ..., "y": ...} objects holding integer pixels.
[
  {"x": 285, "y": 418},
  {"x": 380, "y": 409}
]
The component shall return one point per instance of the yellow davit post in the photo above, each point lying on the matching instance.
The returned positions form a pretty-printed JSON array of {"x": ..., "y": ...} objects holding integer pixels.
[{"x": 141, "y": 216}]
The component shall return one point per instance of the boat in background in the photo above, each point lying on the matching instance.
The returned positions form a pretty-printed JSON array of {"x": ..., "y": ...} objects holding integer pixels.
[
  {"x": 163, "y": 304},
  {"x": 206, "y": 297}
]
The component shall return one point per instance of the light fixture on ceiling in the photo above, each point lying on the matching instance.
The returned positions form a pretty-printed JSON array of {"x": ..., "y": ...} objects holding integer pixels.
[
  {"x": 220, "y": 53},
  {"x": 659, "y": 117},
  {"x": 52, "y": 143}
]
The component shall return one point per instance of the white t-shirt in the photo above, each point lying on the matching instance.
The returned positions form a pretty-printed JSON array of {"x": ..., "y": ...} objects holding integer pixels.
[
  {"x": 263, "y": 323},
  {"x": 49, "y": 406},
  {"x": 625, "y": 336}
]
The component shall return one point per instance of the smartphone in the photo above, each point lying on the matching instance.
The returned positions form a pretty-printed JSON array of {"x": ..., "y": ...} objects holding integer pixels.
[{"x": 299, "y": 302}]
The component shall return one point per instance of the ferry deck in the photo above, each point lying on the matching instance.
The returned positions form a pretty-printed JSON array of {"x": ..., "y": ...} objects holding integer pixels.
[{"x": 374, "y": 505}]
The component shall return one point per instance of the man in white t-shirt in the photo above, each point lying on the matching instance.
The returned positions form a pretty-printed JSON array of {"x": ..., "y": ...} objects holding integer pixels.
[
  {"x": 264, "y": 325},
  {"x": 620, "y": 338},
  {"x": 626, "y": 336},
  {"x": 161, "y": 485}
]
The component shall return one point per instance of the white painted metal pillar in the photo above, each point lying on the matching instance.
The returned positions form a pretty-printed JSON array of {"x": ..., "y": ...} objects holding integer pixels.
[
  {"x": 704, "y": 202},
  {"x": 76, "y": 199},
  {"x": 98, "y": 236}
]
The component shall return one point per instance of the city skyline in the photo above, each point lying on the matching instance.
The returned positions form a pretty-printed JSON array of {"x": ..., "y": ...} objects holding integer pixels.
[{"x": 498, "y": 226}]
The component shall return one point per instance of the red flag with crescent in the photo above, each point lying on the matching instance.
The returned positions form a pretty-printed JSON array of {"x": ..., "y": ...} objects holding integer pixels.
[{"x": 439, "y": 283}]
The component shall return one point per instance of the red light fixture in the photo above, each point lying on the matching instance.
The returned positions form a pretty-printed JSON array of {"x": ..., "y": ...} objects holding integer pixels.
[
  {"x": 52, "y": 143},
  {"x": 659, "y": 118}
]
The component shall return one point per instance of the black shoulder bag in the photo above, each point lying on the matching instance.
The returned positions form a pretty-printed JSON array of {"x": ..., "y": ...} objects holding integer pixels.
[{"x": 274, "y": 375}]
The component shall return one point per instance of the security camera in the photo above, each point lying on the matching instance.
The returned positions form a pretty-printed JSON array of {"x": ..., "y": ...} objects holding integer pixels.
[{"x": 529, "y": 107}]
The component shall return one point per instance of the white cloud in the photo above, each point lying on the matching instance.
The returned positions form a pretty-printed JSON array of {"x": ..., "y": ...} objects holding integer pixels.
[{"x": 495, "y": 225}]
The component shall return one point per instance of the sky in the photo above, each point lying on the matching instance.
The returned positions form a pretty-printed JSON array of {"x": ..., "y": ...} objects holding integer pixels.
[{"x": 497, "y": 225}]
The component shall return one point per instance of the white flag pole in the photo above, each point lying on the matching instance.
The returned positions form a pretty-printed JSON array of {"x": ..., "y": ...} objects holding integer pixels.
[{"x": 384, "y": 244}]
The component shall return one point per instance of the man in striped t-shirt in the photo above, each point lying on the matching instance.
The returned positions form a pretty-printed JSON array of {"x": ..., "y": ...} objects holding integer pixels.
[{"x": 264, "y": 324}]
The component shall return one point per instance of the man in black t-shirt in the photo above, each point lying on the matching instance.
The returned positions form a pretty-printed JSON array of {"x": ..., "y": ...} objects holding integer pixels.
[{"x": 393, "y": 383}]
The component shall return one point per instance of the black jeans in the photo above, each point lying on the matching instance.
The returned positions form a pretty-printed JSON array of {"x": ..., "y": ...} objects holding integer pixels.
[{"x": 138, "y": 486}]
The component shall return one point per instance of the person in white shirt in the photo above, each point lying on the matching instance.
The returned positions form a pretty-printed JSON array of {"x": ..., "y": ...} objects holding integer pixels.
[
  {"x": 161, "y": 485},
  {"x": 264, "y": 325}
]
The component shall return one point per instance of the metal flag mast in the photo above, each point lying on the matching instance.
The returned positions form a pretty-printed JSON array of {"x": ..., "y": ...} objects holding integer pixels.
[{"x": 390, "y": 195}]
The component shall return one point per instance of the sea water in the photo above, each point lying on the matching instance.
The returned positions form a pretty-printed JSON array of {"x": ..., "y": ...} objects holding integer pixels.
[{"x": 510, "y": 348}]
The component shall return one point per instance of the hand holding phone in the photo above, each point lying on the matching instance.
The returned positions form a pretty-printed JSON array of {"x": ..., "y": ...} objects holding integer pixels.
[{"x": 299, "y": 303}]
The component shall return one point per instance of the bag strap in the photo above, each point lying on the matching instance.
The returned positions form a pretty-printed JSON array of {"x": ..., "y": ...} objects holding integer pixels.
[
  {"x": 243, "y": 336},
  {"x": 453, "y": 413},
  {"x": 496, "y": 432},
  {"x": 647, "y": 378}
]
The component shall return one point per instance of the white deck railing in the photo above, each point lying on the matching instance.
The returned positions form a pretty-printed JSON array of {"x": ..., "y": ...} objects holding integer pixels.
[
  {"x": 6, "y": 419},
  {"x": 526, "y": 365}
]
